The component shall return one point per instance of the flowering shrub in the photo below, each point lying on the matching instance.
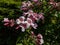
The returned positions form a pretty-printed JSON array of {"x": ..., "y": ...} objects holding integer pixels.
[
  {"x": 27, "y": 20},
  {"x": 34, "y": 17}
]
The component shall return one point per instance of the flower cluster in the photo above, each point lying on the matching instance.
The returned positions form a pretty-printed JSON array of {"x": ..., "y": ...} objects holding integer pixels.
[
  {"x": 26, "y": 5},
  {"x": 38, "y": 39},
  {"x": 28, "y": 18},
  {"x": 25, "y": 21}
]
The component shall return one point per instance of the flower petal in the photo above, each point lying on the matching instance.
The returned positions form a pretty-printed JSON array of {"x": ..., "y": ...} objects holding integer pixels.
[{"x": 22, "y": 28}]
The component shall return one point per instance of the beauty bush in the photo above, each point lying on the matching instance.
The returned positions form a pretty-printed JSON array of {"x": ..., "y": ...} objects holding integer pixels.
[{"x": 28, "y": 20}]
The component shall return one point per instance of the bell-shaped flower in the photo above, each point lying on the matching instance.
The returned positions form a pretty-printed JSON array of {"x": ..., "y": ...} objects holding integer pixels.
[
  {"x": 27, "y": 24},
  {"x": 39, "y": 36},
  {"x": 20, "y": 20},
  {"x": 24, "y": 26},
  {"x": 5, "y": 20},
  {"x": 39, "y": 39},
  {"x": 29, "y": 20}
]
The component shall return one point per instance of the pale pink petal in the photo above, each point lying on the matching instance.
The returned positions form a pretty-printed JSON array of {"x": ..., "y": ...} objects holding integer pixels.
[
  {"x": 17, "y": 27},
  {"x": 5, "y": 20},
  {"x": 29, "y": 20},
  {"x": 6, "y": 24},
  {"x": 18, "y": 21},
  {"x": 34, "y": 26},
  {"x": 22, "y": 28},
  {"x": 41, "y": 41},
  {"x": 22, "y": 18}
]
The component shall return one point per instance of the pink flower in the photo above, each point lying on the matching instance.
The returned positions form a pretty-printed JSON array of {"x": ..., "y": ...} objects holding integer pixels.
[
  {"x": 34, "y": 25},
  {"x": 41, "y": 16},
  {"x": 29, "y": 4},
  {"x": 39, "y": 36},
  {"x": 25, "y": 5},
  {"x": 29, "y": 13},
  {"x": 39, "y": 39},
  {"x": 23, "y": 26},
  {"x": 29, "y": 20},
  {"x": 20, "y": 20},
  {"x": 6, "y": 20},
  {"x": 6, "y": 24}
]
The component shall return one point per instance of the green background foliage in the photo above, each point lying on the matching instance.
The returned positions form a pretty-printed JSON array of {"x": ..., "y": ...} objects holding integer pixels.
[{"x": 50, "y": 29}]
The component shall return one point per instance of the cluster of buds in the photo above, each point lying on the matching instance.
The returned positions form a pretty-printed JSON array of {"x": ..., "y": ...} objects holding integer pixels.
[{"x": 38, "y": 39}]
